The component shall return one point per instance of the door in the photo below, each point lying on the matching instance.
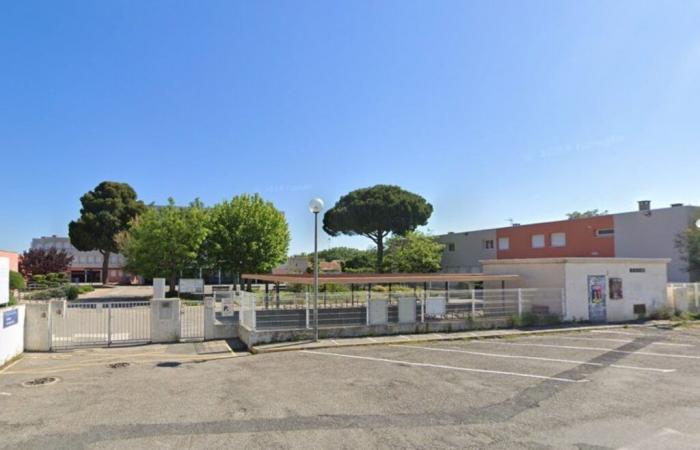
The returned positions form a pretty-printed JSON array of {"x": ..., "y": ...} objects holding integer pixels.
[{"x": 597, "y": 311}]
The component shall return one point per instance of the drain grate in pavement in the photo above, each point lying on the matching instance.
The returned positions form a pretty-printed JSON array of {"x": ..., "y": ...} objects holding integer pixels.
[
  {"x": 118, "y": 365},
  {"x": 43, "y": 381}
]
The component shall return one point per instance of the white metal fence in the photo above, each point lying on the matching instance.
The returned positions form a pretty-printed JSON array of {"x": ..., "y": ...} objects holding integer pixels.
[
  {"x": 191, "y": 321},
  {"x": 684, "y": 296},
  {"x": 100, "y": 324},
  {"x": 290, "y": 310}
]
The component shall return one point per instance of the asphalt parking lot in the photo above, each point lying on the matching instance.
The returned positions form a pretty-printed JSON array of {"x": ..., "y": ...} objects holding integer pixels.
[{"x": 633, "y": 388}]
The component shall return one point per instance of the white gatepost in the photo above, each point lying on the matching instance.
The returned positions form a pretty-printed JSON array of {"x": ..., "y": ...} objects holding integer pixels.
[
  {"x": 422, "y": 305},
  {"x": 306, "y": 305},
  {"x": 369, "y": 298},
  {"x": 473, "y": 302},
  {"x": 697, "y": 295},
  {"x": 520, "y": 302},
  {"x": 159, "y": 288}
]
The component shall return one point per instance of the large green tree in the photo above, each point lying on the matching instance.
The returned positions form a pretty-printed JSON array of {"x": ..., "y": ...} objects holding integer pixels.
[
  {"x": 688, "y": 244},
  {"x": 585, "y": 214},
  {"x": 376, "y": 212},
  {"x": 413, "y": 253},
  {"x": 247, "y": 235},
  {"x": 106, "y": 211},
  {"x": 165, "y": 240}
]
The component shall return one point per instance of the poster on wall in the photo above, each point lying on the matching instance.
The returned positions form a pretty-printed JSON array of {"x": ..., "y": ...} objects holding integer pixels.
[
  {"x": 615, "y": 288},
  {"x": 597, "y": 288},
  {"x": 227, "y": 306}
]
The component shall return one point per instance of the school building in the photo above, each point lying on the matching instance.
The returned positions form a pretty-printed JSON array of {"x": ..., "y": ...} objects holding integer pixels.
[{"x": 645, "y": 233}]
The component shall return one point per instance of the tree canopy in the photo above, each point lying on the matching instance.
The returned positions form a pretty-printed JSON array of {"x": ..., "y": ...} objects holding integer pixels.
[
  {"x": 688, "y": 244},
  {"x": 375, "y": 213},
  {"x": 586, "y": 214},
  {"x": 413, "y": 253},
  {"x": 106, "y": 211},
  {"x": 247, "y": 235},
  {"x": 165, "y": 240},
  {"x": 39, "y": 261}
]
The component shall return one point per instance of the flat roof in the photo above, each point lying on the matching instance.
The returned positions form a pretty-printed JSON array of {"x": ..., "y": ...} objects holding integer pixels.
[{"x": 378, "y": 278}]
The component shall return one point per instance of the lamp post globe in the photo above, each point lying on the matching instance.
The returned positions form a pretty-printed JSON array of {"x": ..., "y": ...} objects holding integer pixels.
[{"x": 316, "y": 205}]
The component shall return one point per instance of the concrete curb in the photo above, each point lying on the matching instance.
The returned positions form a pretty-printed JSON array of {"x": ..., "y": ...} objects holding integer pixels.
[{"x": 457, "y": 336}]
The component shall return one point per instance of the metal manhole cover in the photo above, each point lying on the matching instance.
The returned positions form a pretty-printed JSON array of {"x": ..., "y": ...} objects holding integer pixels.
[
  {"x": 43, "y": 381},
  {"x": 118, "y": 365}
]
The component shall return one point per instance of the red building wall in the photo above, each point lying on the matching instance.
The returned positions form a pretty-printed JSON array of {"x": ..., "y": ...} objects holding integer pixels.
[
  {"x": 14, "y": 259},
  {"x": 581, "y": 239}
]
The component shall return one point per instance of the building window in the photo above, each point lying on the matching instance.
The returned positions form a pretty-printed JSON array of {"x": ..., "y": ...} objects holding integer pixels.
[
  {"x": 488, "y": 243},
  {"x": 638, "y": 270},
  {"x": 538, "y": 241},
  {"x": 558, "y": 239},
  {"x": 605, "y": 232},
  {"x": 451, "y": 247},
  {"x": 504, "y": 243}
]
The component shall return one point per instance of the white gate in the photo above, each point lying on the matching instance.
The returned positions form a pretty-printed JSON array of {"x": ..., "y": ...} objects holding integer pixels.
[
  {"x": 101, "y": 324},
  {"x": 191, "y": 322}
]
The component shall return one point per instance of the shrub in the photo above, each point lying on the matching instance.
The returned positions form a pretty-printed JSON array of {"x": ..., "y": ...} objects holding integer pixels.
[
  {"x": 190, "y": 296},
  {"x": 83, "y": 288},
  {"x": 527, "y": 319},
  {"x": 16, "y": 280},
  {"x": 72, "y": 292},
  {"x": 663, "y": 313},
  {"x": 46, "y": 294}
]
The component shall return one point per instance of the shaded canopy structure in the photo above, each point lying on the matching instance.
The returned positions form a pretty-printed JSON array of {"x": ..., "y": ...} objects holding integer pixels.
[{"x": 378, "y": 278}]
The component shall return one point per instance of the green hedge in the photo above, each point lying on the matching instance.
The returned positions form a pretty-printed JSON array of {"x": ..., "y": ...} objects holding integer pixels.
[{"x": 16, "y": 280}]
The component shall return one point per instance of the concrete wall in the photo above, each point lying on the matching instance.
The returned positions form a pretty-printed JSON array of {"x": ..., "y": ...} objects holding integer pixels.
[
  {"x": 12, "y": 336},
  {"x": 648, "y": 288},
  {"x": 468, "y": 251},
  {"x": 37, "y": 334},
  {"x": 534, "y": 273},
  {"x": 13, "y": 258},
  {"x": 165, "y": 320},
  {"x": 652, "y": 234}
]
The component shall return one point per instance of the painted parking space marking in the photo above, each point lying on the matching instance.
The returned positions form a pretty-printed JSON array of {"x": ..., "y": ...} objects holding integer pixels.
[
  {"x": 445, "y": 367},
  {"x": 538, "y": 358},
  {"x": 603, "y": 349},
  {"x": 622, "y": 341}
]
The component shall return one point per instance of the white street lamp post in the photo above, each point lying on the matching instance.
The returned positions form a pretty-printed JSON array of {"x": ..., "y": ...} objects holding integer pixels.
[{"x": 315, "y": 206}]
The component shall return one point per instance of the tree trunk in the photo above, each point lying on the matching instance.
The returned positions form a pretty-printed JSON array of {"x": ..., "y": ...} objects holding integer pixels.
[
  {"x": 105, "y": 267},
  {"x": 380, "y": 253},
  {"x": 172, "y": 282}
]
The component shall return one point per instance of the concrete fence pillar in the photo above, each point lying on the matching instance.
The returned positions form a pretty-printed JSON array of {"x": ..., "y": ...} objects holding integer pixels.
[
  {"x": 520, "y": 302},
  {"x": 209, "y": 317},
  {"x": 37, "y": 327},
  {"x": 159, "y": 288},
  {"x": 165, "y": 320}
]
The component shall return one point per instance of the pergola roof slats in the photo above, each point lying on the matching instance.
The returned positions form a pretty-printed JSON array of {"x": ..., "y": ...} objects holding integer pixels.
[{"x": 378, "y": 278}]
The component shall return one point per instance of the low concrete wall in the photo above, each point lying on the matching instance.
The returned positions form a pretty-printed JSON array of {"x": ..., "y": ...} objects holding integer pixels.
[
  {"x": 255, "y": 337},
  {"x": 11, "y": 332}
]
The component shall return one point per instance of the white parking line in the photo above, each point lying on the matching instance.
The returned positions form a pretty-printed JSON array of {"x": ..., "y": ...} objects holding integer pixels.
[
  {"x": 572, "y": 347},
  {"x": 538, "y": 358},
  {"x": 440, "y": 366},
  {"x": 624, "y": 341},
  {"x": 617, "y": 332}
]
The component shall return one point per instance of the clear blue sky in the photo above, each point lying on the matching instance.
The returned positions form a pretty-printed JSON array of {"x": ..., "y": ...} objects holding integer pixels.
[{"x": 490, "y": 110}]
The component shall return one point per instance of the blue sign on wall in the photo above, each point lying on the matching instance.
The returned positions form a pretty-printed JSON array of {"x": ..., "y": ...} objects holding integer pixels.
[{"x": 9, "y": 318}]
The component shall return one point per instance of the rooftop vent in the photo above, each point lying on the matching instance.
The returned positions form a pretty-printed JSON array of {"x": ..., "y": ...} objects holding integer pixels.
[
  {"x": 644, "y": 205},
  {"x": 676, "y": 205},
  {"x": 516, "y": 224}
]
